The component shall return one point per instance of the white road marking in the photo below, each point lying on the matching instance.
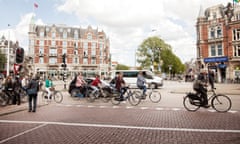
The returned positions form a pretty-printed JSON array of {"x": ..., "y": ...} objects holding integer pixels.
[
  {"x": 22, "y": 133},
  {"x": 130, "y": 107},
  {"x": 43, "y": 123}
]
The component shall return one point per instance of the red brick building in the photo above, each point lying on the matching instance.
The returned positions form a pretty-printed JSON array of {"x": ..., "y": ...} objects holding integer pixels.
[
  {"x": 87, "y": 50},
  {"x": 218, "y": 41}
]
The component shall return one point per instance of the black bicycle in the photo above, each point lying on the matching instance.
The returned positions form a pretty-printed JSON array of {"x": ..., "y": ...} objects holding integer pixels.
[
  {"x": 129, "y": 95},
  {"x": 219, "y": 102}
]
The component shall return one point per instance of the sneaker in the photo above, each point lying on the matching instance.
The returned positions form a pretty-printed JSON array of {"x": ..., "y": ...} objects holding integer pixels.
[
  {"x": 34, "y": 111},
  {"x": 29, "y": 110}
]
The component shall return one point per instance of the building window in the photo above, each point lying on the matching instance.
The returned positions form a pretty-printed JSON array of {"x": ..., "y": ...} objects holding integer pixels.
[
  {"x": 41, "y": 50},
  {"x": 75, "y": 60},
  {"x": 75, "y": 34},
  {"x": 41, "y": 43},
  {"x": 53, "y": 35},
  {"x": 212, "y": 33},
  {"x": 53, "y": 51},
  {"x": 216, "y": 50},
  {"x": 219, "y": 50},
  {"x": 53, "y": 43},
  {"x": 31, "y": 42},
  {"x": 237, "y": 51},
  {"x": 93, "y": 61},
  {"x": 64, "y": 43},
  {"x": 213, "y": 51},
  {"x": 236, "y": 34},
  {"x": 41, "y": 60},
  {"x": 75, "y": 52},
  {"x": 89, "y": 36},
  {"x": 64, "y": 35},
  {"x": 85, "y": 45},
  {"x": 64, "y": 50},
  {"x": 219, "y": 32},
  {"x": 41, "y": 34},
  {"x": 85, "y": 61},
  {"x": 75, "y": 45},
  {"x": 52, "y": 60}
]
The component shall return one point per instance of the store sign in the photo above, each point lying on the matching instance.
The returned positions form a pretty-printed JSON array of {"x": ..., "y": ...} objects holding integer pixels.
[{"x": 216, "y": 59}]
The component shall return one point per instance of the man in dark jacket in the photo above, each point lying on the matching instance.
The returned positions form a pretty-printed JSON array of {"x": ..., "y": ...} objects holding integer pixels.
[{"x": 32, "y": 91}]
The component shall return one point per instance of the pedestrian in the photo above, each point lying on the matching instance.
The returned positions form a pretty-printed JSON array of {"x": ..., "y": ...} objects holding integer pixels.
[
  {"x": 120, "y": 85},
  {"x": 211, "y": 79},
  {"x": 17, "y": 90},
  {"x": 48, "y": 86},
  {"x": 32, "y": 91},
  {"x": 9, "y": 86},
  {"x": 141, "y": 84}
]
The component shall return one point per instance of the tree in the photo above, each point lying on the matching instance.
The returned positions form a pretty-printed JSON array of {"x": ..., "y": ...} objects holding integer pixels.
[
  {"x": 3, "y": 61},
  {"x": 154, "y": 51},
  {"x": 122, "y": 67}
]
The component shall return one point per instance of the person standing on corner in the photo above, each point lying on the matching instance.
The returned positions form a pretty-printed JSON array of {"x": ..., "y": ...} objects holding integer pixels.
[{"x": 32, "y": 91}]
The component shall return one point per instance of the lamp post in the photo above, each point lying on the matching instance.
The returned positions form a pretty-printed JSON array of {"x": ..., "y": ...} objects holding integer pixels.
[{"x": 8, "y": 52}]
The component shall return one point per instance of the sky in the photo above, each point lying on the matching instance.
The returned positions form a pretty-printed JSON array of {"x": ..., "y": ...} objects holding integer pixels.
[{"x": 127, "y": 23}]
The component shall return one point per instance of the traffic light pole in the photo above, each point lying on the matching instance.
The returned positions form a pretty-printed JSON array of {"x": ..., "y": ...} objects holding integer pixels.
[{"x": 64, "y": 65}]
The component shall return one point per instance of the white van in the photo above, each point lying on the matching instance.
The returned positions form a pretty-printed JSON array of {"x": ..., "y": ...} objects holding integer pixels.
[{"x": 130, "y": 77}]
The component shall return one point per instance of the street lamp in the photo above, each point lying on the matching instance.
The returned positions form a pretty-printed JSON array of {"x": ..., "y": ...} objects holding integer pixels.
[{"x": 8, "y": 52}]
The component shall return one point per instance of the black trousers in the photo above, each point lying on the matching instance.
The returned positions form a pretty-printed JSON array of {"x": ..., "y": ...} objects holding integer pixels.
[
  {"x": 203, "y": 93},
  {"x": 32, "y": 102}
]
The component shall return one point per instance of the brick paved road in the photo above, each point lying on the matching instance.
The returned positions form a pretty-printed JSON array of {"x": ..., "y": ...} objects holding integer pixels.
[{"x": 79, "y": 122}]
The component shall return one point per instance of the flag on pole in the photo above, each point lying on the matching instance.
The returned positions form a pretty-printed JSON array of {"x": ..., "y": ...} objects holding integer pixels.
[{"x": 35, "y": 5}]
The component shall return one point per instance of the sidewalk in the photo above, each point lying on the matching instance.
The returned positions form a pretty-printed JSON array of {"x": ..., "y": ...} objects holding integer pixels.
[{"x": 227, "y": 89}]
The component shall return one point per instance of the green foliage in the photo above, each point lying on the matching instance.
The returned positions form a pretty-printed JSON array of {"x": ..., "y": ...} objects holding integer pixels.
[
  {"x": 3, "y": 61},
  {"x": 122, "y": 67},
  {"x": 154, "y": 51}
]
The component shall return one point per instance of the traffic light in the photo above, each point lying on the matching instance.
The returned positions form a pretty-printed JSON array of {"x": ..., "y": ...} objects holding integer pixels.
[
  {"x": 19, "y": 55},
  {"x": 64, "y": 58}
]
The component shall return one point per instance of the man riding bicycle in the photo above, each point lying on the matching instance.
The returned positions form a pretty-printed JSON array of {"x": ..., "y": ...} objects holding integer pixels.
[
  {"x": 199, "y": 86},
  {"x": 141, "y": 84}
]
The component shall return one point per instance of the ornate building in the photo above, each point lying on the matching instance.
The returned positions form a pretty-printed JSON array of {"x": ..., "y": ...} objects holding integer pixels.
[
  {"x": 87, "y": 50},
  {"x": 218, "y": 41}
]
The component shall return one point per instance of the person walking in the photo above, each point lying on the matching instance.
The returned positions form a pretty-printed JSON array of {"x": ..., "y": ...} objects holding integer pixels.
[{"x": 32, "y": 91}]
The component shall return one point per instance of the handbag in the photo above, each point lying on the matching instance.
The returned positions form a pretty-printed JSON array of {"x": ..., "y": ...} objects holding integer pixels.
[{"x": 31, "y": 91}]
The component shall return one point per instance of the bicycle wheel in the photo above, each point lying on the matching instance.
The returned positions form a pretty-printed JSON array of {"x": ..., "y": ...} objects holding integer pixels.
[
  {"x": 76, "y": 94},
  {"x": 91, "y": 96},
  {"x": 115, "y": 100},
  {"x": 134, "y": 98},
  {"x": 23, "y": 95},
  {"x": 187, "y": 103},
  {"x": 155, "y": 96},
  {"x": 105, "y": 96},
  {"x": 3, "y": 99},
  {"x": 221, "y": 103},
  {"x": 58, "y": 97}
]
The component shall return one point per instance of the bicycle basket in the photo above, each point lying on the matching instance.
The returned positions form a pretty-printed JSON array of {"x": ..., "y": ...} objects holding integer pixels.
[{"x": 52, "y": 89}]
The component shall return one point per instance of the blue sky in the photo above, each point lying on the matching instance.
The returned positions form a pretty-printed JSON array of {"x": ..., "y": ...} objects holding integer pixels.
[{"x": 126, "y": 22}]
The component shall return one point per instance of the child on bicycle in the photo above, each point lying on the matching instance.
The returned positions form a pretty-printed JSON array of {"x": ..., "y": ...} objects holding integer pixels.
[{"x": 141, "y": 84}]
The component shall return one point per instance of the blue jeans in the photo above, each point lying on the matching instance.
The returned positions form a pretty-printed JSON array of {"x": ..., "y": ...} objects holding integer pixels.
[{"x": 144, "y": 88}]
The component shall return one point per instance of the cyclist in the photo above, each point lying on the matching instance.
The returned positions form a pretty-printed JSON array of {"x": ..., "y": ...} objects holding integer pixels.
[
  {"x": 96, "y": 83},
  {"x": 141, "y": 84},
  {"x": 48, "y": 86},
  {"x": 80, "y": 82},
  {"x": 120, "y": 83},
  {"x": 199, "y": 86}
]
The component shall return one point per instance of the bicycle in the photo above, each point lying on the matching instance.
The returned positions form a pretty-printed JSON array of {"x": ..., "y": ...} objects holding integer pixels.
[
  {"x": 154, "y": 95},
  {"x": 85, "y": 91},
  {"x": 219, "y": 102},
  {"x": 130, "y": 96},
  {"x": 55, "y": 94},
  {"x": 4, "y": 98}
]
